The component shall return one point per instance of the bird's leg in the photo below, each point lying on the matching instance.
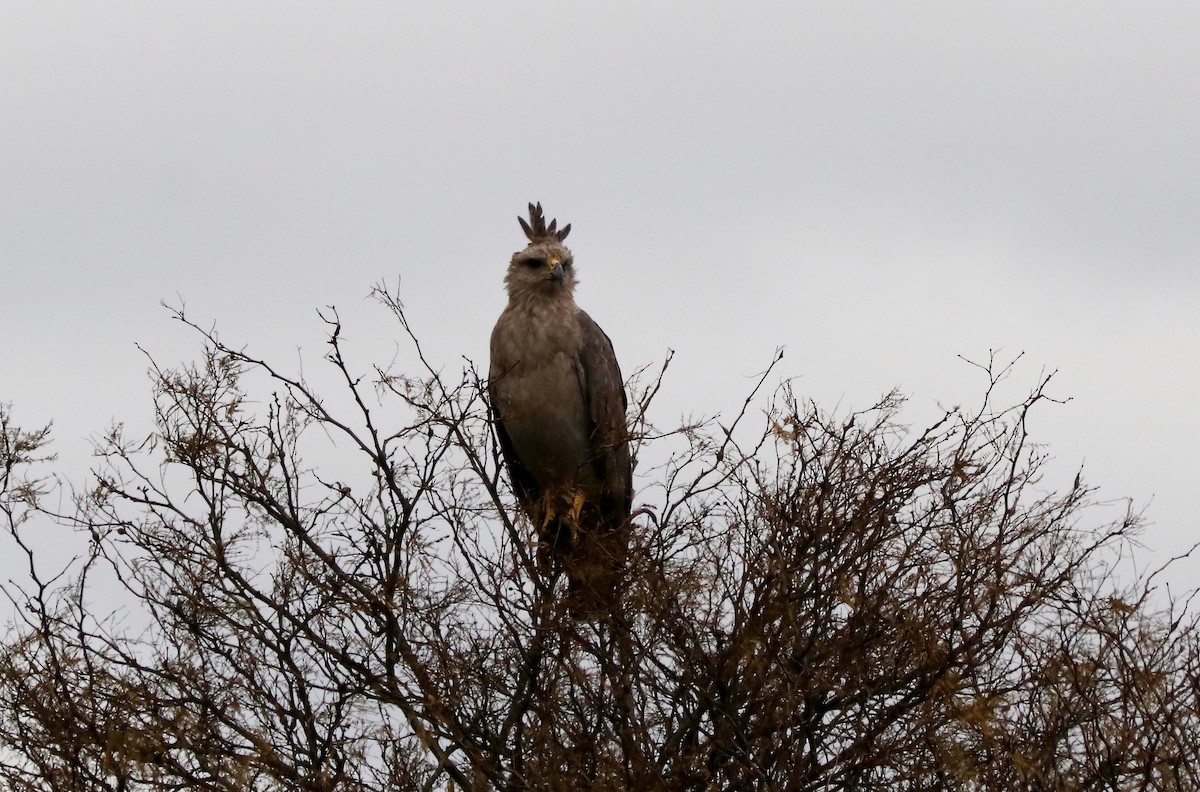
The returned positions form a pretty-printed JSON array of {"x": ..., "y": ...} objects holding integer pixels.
[
  {"x": 553, "y": 531},
  {"x": 548, "y": 515},
  {"x": 576, "y": 507}
]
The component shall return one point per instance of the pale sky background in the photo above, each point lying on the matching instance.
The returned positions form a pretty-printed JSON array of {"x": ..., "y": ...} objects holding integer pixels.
[{"x": 878, "y": 187}]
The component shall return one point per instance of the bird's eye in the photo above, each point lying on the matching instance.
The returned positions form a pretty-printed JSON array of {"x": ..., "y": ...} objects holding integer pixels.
[
  {"x": 535, "y": 263},
  {"x": 567, "y": 264}
]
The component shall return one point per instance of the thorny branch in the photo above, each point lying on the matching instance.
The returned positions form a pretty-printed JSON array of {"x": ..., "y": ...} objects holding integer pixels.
[{"x": 811, "y": 602}]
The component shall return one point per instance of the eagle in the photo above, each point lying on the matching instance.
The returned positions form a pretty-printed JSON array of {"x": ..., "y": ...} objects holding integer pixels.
[{"x": 558, "y": 406}]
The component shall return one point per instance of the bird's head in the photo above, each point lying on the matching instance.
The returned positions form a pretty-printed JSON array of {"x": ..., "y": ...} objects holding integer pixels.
[{"x": 545, "y": 266}]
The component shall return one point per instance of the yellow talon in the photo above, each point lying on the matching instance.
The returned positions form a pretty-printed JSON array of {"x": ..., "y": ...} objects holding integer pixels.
[
  {"x": 548, "y": 516},
  {"x": 576, "y": 507}
]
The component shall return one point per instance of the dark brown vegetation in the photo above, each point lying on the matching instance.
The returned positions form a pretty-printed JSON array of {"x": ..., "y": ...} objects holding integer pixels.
[{"x": 812, "y": 602}]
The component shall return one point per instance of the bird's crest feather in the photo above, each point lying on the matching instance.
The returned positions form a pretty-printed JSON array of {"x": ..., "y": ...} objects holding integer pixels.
[{"x": 537, "y": 230}]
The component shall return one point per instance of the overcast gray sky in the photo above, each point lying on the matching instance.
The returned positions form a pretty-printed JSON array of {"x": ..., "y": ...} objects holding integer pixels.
[{"x": 879, "y": 187}]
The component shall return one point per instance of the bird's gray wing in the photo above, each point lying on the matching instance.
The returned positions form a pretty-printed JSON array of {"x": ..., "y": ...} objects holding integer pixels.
[
  {"x": 523, "y": 484},
  {"x": 604, "y": 397}
]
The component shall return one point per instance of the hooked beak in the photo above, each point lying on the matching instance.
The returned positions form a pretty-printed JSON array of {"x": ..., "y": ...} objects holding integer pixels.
[{"x": 557, "y": 272}]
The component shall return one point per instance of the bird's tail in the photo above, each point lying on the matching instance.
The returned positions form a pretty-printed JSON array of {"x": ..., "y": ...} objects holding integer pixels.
[{"x": 595, "y": 563}]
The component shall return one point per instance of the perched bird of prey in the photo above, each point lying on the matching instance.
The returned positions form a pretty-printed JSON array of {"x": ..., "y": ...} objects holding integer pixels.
[{"x": 558, "y": 404}]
